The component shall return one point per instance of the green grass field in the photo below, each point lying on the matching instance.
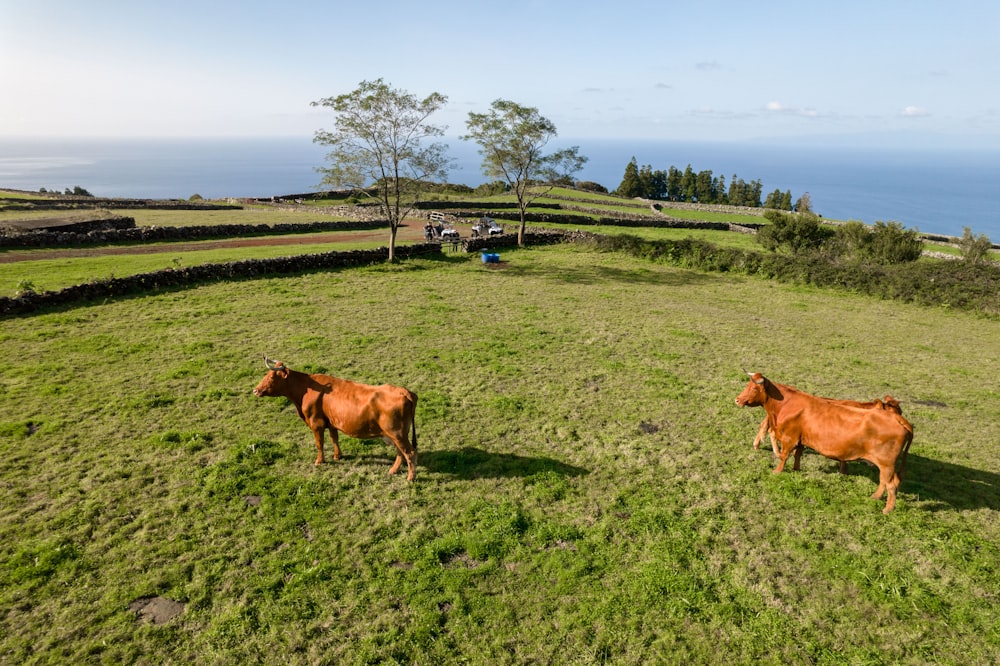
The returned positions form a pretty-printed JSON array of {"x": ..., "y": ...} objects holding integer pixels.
[{"x": 586, "y": 491}]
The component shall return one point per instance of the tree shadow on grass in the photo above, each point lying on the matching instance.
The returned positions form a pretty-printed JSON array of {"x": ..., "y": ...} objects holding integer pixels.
[
  {"x": 941, "y": 486},
  {"x": 472, "y": 463}
]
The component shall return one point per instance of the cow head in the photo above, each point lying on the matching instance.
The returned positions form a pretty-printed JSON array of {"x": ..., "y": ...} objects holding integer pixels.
[
  {"x": 274, "y": 380},
  {"x": 755, "y": 392}
]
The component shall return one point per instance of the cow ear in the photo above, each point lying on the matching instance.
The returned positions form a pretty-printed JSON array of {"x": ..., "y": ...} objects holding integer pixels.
[{"x": 758, "y": 378}]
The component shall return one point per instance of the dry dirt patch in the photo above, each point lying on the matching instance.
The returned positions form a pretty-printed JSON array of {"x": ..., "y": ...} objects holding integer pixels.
[{"x": 156, "y": 610}]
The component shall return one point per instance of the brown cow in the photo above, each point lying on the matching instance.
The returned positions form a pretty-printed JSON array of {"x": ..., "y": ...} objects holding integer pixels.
[
  {"x": 888, "y": 402},
  {"x": 835, "y": 430},
  {"x": 357, "y": 410}
]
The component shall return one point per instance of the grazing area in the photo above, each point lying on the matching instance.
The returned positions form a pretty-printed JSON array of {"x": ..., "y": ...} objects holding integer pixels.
[{"x": 586, "y": 488}]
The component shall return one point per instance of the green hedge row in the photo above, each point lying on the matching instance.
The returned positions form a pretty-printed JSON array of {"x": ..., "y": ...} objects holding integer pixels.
[{"x": 953, "y": 284}]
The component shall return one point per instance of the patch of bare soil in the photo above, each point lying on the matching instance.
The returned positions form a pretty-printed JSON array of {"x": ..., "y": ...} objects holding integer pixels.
[{"x": 156, "y": 610}]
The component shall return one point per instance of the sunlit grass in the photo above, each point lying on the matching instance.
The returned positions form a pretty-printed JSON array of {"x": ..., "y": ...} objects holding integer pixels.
[
  {"x": 586, "y": 491},
  {"x": 55, "y": 274}
]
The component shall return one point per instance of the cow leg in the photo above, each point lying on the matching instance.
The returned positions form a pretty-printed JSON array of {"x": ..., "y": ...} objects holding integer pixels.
[
  {"x": 798, "y": 456},
  {"x": 843, "y": 467},
  {"x": 335, "y": 438},
  {"x": 883, "y": 485},
  {"x": 761, "y": 433},
  {"x": 404, "y": 451},
  {"x": 782, "y": 457},
  {"x": 888, "y": 479},
  {"x": 318, "y": 432}
]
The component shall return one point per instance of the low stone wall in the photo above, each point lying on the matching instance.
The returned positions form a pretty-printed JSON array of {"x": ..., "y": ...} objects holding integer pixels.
[
  {"x": 134, "y": 234},
  {"x": 185, "y": 277},
  {"x": 250, "y": 269},
  {"x": 545, "y": 237},
  {"x": 84, "y": 203},
  {"x": 450, "y": 206},
  {"x": 66, "y": 225}
]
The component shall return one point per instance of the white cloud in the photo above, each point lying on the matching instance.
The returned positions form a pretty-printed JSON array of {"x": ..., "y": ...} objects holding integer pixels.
[
  {"x": 915, "y": 112},
  {"x": 778, "y": 107}
]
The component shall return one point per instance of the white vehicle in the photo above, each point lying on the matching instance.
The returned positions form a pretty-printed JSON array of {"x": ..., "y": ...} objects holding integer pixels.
[
  {"x": 439, "y": 228},
  {"x": 486, "y": 226}
]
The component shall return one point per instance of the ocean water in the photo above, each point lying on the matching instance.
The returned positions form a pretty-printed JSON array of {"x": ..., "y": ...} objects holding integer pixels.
[{"x": 935, "y": 191}]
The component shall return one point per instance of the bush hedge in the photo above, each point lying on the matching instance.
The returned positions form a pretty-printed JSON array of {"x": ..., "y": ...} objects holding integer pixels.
[{"x": 952, "y": 284}]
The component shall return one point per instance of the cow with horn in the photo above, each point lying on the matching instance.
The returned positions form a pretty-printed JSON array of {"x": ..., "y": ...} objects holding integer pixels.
[
  {"x": 340, "y": 405},
  {"x": 839, "y": 431}
]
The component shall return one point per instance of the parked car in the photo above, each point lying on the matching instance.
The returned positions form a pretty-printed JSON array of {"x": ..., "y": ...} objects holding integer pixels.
[{"x": 486, "y": 226}]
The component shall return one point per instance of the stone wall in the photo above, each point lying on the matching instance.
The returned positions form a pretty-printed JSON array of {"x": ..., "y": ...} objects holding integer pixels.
[
  {"x": 134, "y": 234},
  {"x": 170, "y": 278}
]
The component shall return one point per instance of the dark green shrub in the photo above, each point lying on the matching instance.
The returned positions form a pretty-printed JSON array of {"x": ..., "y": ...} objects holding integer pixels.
[
  {"x": 892, "y": 244},
  {"x": 491, "y": 189},
  {"x": 885, "y": 243},
  {"x": 975, "y": 250},
  {"x": 793, "y": 232},
  {"x": 590, "y": 186}
]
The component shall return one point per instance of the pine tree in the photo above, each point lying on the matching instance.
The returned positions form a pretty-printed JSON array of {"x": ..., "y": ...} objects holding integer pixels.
[{"x": 631, "y": 185}]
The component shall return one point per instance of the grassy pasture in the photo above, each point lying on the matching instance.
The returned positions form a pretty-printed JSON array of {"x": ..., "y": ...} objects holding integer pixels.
[
  {"x": 54, "y": 273},
  {"x": 181, "y": 218},
  {"x": 586, "y": 490}
]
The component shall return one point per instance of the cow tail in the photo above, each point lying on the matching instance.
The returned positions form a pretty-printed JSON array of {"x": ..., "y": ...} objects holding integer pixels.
[
  {"x": 906, "y": 450},
  {"x": 414, "y": 424}
]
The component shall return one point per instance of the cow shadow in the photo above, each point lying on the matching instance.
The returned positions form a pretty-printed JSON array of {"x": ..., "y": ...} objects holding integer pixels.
[
  {"x": 941, "y": 486},
  {"x": 470, "y": 463}
]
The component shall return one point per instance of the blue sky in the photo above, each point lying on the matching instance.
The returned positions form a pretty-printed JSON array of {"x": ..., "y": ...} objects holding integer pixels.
[{"x": 884, "y": 70}]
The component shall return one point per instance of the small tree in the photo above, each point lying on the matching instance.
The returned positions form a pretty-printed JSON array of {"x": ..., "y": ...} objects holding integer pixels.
[
  {"x": 375, "y": 148},
  {"x": 511, "y": 140},
  {"x": 884, "y": 243},
  {"x": 796, "y": 232},
  {"x": 892, "y": 244},
  {"x": 631, "y": 185},
  {"x": 975, "y": 250}
]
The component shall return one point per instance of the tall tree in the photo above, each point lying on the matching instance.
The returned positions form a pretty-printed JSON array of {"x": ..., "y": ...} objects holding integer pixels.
[
  {"x": 688, "y": 184},
  {"x": 675, "y": 191},
  {"x": 376, "y": 148},
  {"x": 511, "y": 140},
  {"x": 658, "y": 185},
  {"x": 630, "y": 186}
]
